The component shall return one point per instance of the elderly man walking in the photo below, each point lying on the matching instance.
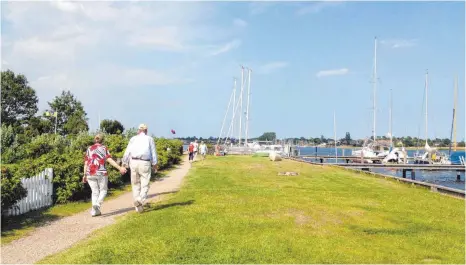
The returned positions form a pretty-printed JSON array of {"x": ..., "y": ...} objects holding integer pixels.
[{"x": 140, "y": 155}]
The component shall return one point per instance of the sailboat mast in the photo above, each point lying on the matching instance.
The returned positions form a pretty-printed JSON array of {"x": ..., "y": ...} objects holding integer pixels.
[
  {"x": 390, "y": 117},
  {"x": 427, "y": 73},
  {"x": 454, "y": 112},
  {"x": 375, "y": 86},
  {"x": 247, "y": 107},
  {"x": 335, "y": 135},
  {"x": 241, "y": 104},
  {"x": 234, "y": 107}
]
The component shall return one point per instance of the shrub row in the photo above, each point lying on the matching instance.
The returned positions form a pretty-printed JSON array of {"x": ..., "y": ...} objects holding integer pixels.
[{"x": 66, "y": 156}]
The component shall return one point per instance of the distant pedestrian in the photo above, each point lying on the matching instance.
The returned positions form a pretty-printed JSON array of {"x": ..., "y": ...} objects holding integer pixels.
[
  {"x": 203, "y": 150},
  {"x": 96, "y": 174},
  {"x": 196, "y": 149},
  {"x": 140, "y": 155},
  {"x": 191, "y": 152}
]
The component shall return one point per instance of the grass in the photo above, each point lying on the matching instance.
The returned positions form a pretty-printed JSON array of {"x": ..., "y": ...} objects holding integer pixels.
[
  {"x": 237, "y": 210},
  {"x": 16, "y": 227}
]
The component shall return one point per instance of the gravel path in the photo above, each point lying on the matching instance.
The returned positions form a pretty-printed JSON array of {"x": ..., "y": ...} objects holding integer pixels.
[{"x": 62, "y": 234}]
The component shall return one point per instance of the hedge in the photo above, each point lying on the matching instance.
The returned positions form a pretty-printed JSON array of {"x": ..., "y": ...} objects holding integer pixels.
[{"x": 66, "y": 156}]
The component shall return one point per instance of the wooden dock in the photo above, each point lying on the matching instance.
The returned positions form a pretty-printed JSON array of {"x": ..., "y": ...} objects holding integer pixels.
[{"x": 360, "y": 167}]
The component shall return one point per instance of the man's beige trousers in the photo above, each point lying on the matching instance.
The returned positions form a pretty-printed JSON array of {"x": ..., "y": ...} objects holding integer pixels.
[{"x": 140, "y": 179}]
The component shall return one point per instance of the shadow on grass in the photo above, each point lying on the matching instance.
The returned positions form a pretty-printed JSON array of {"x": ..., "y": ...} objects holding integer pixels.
[
  {"x": 168, "y": 205},
  {"x": 12, "y": 225}
]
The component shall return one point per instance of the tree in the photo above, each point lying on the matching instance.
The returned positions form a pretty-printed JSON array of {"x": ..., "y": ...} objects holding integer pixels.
[
  {"x": 348, "y": 138},
  {"x": 19, "y": 100},
  {"x": 268, "y": 136},
  {"x": 71, "y": 115},
  {"x": 112, "y": 127}
]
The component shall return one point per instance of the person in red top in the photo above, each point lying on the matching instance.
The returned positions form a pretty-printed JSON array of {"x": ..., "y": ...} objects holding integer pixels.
[
  {"x": 95, "y": 172},
  {"x": 191, "y": 152}
]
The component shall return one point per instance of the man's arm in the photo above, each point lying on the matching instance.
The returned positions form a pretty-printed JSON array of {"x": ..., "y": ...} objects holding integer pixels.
[
  {"x": 153, "y": 151},
  {"x": 127, "y": 154},
  {"x": 84, "y": 174}
]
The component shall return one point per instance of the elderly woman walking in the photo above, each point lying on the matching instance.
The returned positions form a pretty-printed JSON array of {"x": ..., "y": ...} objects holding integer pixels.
[{"x": 95, "y": 172}]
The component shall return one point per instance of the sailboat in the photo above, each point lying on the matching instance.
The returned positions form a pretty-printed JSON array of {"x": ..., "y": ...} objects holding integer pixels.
[
  {"x": 395, "y": 155},
  {"x": 372, "y": 150},
  {"x": 431, "y": 155}
]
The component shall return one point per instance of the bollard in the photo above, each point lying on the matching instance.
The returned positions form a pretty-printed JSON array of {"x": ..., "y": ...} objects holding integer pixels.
[
  {"x": 413, "y": 175},
  {"x": 404, "y": 173},
  {"x": 458, "y": 176}
]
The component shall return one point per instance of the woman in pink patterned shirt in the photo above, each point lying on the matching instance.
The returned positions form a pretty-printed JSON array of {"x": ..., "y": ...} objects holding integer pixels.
[{"x": 95, "y": 172}]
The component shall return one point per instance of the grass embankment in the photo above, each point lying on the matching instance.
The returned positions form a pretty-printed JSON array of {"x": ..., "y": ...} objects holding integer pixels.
[
  {"x": 16, "y": 227},
  {"x": 237, "y": 210}
]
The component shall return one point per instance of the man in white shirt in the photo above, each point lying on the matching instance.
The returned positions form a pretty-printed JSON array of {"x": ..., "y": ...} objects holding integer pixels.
[{"x": 140, "y": 154}]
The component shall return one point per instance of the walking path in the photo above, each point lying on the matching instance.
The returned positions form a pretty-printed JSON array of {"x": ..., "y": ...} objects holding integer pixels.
[{"x": 63, "y": 233}]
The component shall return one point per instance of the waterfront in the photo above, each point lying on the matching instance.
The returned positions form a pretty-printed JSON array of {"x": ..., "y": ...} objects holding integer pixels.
[{"x": 444, "y": 178}]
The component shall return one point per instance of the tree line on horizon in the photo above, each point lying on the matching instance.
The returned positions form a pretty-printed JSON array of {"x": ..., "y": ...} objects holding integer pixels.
[{"x": 406, "y": 141}]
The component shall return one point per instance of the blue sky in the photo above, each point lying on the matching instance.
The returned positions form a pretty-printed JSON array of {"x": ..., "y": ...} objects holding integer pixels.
[{"x": 171, "y": 65}]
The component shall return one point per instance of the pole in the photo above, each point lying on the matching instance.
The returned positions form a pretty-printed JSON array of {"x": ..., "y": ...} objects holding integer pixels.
[
  {"x": 427, "y": 73},
  {"x": 224, "y": 119},
  {"x": 454, "y": 109},
  {"x": 390, "y": 124},
  {"x": 247, "y": 108},
  {"x": 241, "y": 104},
  {"x": 335, "y": 135},
  {"x": 56, "y": 117},
  {"x": 375, "y": 86},
  {"x": 234, "y": 107}
]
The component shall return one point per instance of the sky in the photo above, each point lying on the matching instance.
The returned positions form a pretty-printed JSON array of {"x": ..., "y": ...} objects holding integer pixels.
[{"x": 171, "y": 64}]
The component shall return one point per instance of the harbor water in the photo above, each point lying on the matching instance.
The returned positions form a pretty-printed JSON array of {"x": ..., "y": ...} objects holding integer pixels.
[{"x": 443, "y": 178}]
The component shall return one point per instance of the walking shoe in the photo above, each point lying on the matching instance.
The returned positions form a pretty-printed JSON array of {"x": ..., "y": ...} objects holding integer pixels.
[
  {"x": 138, "y": 206},
  {"x": 95, "y": 210}
]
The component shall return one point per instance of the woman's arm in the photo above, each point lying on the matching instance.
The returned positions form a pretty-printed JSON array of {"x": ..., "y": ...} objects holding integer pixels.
[
  {"x": 84, "y": 174},
  {"x": 115, "y": 165}
]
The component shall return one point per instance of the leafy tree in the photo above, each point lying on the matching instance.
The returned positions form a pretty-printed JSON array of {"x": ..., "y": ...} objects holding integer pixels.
[
  {"x": 268, "y": 136},
  {"x": 71, "y": 115},
  {"x": 348, "y": 138},
  {"x": 19, "y": 100},
  {"x": 112, "y": 127}
]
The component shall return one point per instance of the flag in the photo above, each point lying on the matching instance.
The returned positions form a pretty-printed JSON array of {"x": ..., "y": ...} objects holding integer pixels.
[{"x": 173, "y": 131}]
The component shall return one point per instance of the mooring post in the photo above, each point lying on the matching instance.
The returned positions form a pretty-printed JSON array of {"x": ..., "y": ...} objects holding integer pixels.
[
  {"x": 404, "y": 173},
  {"x": 347, "y": 161},
  {"x": 413, "y": 174},
  {"x": 458, "y": 176},
  {"x": 321, "y": 160}
]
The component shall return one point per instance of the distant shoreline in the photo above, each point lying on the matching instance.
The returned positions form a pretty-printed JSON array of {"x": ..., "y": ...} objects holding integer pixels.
[{"x": 407, "y": 148}]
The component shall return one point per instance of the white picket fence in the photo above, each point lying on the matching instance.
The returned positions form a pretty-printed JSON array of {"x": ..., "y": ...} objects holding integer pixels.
[{"x": 39, "y": 193}]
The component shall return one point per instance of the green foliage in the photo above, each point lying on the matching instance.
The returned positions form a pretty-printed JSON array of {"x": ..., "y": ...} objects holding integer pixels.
[
  {"x": 66, "y": 156},
  {"x": 12, "y": 189},
  {"x": 111, "y": 127},
  {"x": 71, "y": 115},
  {"x": 19, "y": 100},
  {"x": 268, "y": 136}
]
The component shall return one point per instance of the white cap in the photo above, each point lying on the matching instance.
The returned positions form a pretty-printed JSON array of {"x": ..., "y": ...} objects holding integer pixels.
[{"x": 142, "y": 126}]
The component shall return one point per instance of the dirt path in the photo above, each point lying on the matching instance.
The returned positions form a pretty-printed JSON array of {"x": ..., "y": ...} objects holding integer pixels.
[{"x": 63, "y": 233}]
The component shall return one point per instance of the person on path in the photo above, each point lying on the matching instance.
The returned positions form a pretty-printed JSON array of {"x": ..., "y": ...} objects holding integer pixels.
[
  {"x": 196, "y": 149},
  {"x": 203, "y": 150},
  {"x": 140, "y": 155},
  {"x": 191, "y": 152},
  {"x": 96, "y": 174}
]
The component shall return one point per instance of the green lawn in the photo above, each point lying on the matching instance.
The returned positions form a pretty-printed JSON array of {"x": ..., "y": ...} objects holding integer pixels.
[{"x": 237, "y": 210}]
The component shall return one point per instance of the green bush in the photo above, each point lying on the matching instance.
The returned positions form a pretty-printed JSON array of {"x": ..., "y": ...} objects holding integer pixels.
[
  {"x": 66, "y": 156},
  {"x": 11, "y": 187}
]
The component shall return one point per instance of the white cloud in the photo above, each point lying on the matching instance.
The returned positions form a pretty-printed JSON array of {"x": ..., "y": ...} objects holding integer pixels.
[
  {"x": 239, "y": 22},
  {"x": 226, "y": 47},
  {"x": 323, "y": 73},
  {"x": 272, "y": 67},
  {"x": 316, "y": 7},
  {"x": 400, "y": 43}
]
